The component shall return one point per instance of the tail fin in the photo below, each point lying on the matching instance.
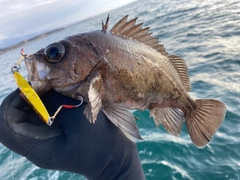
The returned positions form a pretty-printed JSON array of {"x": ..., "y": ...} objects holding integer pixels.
[{"x": 204, "y": 121}]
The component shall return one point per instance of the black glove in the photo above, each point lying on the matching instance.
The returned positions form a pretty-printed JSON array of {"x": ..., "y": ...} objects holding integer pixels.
[{"x": 72, "y": 143}]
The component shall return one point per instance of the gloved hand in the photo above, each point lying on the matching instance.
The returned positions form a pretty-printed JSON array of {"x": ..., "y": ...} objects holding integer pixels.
[{"x": 72, "y": 143}]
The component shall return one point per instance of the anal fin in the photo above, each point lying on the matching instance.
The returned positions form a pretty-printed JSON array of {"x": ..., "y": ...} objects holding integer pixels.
[
  {"x": 172, "y": 119},
  {"x": 122, "y": 118}
]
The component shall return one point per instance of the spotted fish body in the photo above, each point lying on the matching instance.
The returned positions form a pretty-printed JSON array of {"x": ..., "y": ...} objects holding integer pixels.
[{"x": 124, "y": 69}]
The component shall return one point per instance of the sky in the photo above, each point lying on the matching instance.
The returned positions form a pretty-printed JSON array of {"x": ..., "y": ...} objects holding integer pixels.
[{"x": 21, "y": 18}]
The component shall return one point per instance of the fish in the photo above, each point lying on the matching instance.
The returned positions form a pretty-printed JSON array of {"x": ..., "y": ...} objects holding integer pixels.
[{"x": 125, "y": 69}]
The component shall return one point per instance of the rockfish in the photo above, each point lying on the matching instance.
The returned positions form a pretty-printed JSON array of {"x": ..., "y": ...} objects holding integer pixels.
[{"x": 125, "y": 69}]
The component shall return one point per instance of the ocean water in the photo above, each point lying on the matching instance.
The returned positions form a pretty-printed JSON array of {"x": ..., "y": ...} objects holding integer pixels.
[{"x": 204, "y": 33}]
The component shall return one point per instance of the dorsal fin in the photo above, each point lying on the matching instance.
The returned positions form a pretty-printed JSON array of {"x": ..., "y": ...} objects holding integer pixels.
[
  {"x": 181, "y": 67},
  {"x": 135, "y": 31},
  {"x": 105, "y": 26}
]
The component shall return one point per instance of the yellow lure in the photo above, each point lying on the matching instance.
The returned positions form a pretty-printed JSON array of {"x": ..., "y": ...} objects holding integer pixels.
[{"x": 32, "y": 97}]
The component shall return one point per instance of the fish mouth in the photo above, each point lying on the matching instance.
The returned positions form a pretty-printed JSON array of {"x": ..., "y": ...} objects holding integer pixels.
[{"x": 37, "y": 74}]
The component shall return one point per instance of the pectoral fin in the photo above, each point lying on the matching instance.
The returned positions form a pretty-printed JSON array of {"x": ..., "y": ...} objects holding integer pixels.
[
  {"x": 172, "y": 119},
  {"x": 94, "y": 96},
  {"x": 122, "y": 118}
]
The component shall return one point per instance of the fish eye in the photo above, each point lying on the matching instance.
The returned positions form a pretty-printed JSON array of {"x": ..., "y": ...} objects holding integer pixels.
[{"x": 54, "y": 52}]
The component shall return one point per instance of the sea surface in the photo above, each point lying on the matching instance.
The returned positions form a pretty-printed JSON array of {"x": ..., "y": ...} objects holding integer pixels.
[{"x": 204, "y": 33}]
